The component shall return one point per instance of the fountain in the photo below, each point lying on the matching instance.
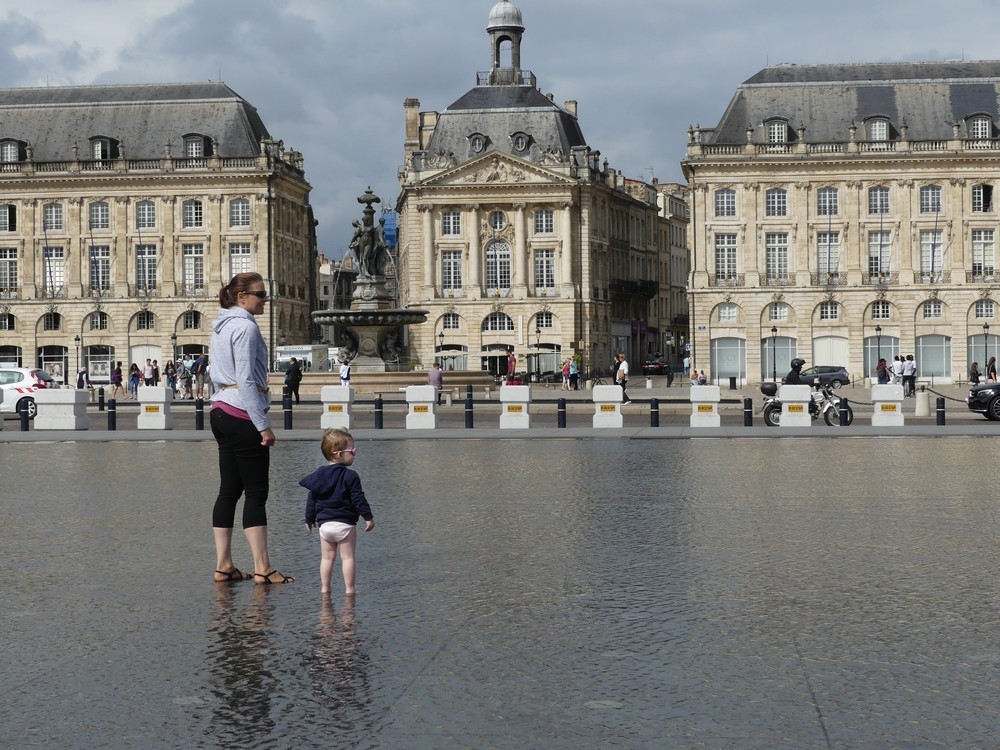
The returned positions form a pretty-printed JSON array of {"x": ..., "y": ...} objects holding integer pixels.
[{"x": 373, "y": 328}]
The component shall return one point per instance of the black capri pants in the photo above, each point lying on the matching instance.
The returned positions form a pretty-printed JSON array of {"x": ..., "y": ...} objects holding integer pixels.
[{"x": 243, "y": 468}]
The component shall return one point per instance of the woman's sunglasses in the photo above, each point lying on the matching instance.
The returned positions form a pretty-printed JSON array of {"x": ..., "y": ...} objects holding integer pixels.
[{"x": 259, "y": 294}]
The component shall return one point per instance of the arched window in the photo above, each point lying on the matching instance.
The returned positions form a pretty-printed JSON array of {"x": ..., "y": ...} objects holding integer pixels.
[
  {"x": 829, "y": 310},
  {"x": 100, "y": 217},
  {"x": 777, "y": 311},
  {"x": 192, "y": 320},
  {"x": 192, "y": 213},
  {"x": 239, "y": 212},
  {"x": 450, "y": 321},
  {"x": 145, "y": 215},
  {"x": 145, "y": 321},
  {"x": 51, "y": 321},
  {"x": 498, "y": 265},
  {"x": 498, "y": 321},
  {"x": 6, "y": 322},
  {"x": 98, "y": 321},
  {"x": 878, "y": 129},
  {"x": 725, "y": 202}
]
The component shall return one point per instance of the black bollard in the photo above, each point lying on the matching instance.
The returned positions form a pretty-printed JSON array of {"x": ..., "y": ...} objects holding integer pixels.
[
  {"x": 378, "y": 412},
  {"x": 468, "y": 391},
  {"x": 654, "y": 412},
  {"x": 468, "y": 408},
  {"x": 286, "y": 406},
  {"x": 561, "y": 413},
  {"x": 940, "y": 410},
  {"x": 22, "y": 412},
  {"x": 199, "y": 413},
  {"x": 100, "y": 398},
  {"x": 112, "y": 415},
  {"x": 748, "y": 412},
  {"x": 842, "y": 407}
]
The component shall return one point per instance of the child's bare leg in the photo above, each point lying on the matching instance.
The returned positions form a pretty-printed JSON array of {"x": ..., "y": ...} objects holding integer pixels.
[
  {"x": 326, "y": 565},
  {"x": 347, "y": 560}
]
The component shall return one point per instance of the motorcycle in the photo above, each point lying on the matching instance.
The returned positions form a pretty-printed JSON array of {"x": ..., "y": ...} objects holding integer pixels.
[{"x": 824, "y": 404}]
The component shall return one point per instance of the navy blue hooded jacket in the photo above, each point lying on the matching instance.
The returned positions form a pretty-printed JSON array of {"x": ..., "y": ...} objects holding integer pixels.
[{"x": 335, "y": 494}]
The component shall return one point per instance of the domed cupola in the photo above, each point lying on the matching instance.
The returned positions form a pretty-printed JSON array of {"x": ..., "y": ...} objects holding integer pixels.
[
  {"x": 505, "y": 26},
  {"x": 504, "y": 16}
]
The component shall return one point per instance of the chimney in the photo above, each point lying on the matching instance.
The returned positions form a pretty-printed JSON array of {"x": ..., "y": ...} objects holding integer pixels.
[
  {"x": 411, "y": 111},
  {"x": 571, "y": 106}
]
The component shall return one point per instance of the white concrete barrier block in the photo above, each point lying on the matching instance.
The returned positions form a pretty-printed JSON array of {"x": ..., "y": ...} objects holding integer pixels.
[
  {"x": 888, "y": 405},
  {"x": 61, "y": 409},
  {"x": 154, "y": 408},
  {"x": 705, "y": 406},
  {"x": 795, "y": 405},
  {"x": 607, "y": 406},
  {"x": 422, "y": 414},
  {"x": 338, "y": 407},
  {"x": 515, "y": 407}
]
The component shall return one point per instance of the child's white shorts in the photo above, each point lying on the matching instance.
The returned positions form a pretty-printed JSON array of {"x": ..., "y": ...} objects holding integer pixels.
[{"x": 335, "y": 532}]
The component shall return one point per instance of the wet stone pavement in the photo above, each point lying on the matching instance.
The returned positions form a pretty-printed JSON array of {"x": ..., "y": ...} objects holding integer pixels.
[{"x": 544, "y": 594}]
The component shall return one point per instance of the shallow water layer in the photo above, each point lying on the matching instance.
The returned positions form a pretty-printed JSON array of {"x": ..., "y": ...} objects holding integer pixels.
[{"x": 549, "y": 594}]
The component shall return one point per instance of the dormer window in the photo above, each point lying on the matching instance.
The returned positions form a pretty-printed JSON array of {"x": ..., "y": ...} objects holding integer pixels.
[
  {"x": 9, "y": 151},
  {"x": 980, "y": 128},
  {"x": 196, "y": 147},
  {"x": 878, "y": 129},
  {"x": 777, "y": 131},
  {"x": 477, "y": 142},
  {"x": 520, "y": 142}
]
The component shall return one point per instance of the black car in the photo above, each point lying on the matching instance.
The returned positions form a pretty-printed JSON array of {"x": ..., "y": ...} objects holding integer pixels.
[
  {"x": 832, "y": 376},
  {"x": 985, "y": 399},
  {"x": 655, "y": 367}
]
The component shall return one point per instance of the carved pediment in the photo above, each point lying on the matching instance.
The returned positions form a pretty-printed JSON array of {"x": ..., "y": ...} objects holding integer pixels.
[{"x": 496, "y": 169}]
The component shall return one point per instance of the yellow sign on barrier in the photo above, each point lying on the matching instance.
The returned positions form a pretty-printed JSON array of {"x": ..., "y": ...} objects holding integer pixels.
[
  {"x": 796, "y": 408},
  {"x": 706, "y": 407},
  {"x": 515, "y": 408},
  {"x": 888, "y": 407},
  {"x": 608, "y": 407},
  {"x": 335, "y": 408},
  {"x": 152, "y": 409},
  {"x": 420, "y": 408}
]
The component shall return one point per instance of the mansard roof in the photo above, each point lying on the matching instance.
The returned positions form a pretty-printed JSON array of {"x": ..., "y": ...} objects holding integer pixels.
[
  {"x": 497, "y": 112},
  {"x": 143, "y": 117},
  {"x": 826, "y": 99}
]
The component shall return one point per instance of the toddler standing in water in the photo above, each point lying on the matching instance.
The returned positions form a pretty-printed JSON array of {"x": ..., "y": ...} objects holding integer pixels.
[{"x": 335, "y": 503}]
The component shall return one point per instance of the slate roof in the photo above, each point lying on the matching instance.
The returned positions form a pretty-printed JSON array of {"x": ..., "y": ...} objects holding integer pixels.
[
  {"x": 499, "y": 111},
  {"x": 142, "y": 116},
  {"x": 827, "y": 98}
]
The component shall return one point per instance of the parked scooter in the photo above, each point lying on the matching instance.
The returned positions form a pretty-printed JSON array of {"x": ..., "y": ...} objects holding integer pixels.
[{"x": 824, "y": 404}]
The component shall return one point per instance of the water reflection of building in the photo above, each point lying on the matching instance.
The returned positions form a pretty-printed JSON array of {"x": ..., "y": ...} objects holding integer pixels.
[
  {"x": 124, "y": 208},
  {"x": 515, "y": 234},
  {"x": 843, "y": 212}
]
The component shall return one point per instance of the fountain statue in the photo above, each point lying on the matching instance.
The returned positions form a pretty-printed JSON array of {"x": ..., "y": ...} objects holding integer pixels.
[{"x": 372, "y": 330}]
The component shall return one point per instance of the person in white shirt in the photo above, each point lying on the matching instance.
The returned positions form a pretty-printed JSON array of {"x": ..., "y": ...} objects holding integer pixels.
[
  {"x": 909, "y": 375},
  {"x": 621, "y": 377},
  {"x": 897, "y": 370},
  {"x": 345, "y": 373}
]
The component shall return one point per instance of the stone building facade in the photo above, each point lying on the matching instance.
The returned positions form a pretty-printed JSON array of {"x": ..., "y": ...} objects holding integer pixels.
[
  {"x": 124, "y": 209},
  {"x": 514, "y": 234},
  {"x": 842, "y": 213}
]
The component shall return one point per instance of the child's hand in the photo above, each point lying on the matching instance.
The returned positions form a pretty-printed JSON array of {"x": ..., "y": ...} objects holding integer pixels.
[
  {"x": 369, "y": 525},
  {"x": 309, "y": 527}
]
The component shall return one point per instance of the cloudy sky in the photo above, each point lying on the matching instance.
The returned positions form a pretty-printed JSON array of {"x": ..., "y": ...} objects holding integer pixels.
[{"x": 329, "y": 76}]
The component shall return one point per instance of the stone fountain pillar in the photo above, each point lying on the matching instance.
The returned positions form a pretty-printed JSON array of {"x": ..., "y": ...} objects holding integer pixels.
[{"x": 374, "y": 326}]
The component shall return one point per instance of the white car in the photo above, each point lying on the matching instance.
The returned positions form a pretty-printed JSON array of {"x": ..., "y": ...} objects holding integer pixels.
[{"x": 18, "y": 385}]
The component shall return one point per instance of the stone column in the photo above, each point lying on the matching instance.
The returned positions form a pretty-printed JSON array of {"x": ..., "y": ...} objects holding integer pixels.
[
  {"x": 427, "y": 239},
  {"x": 475, "y": 280},
  {"x": 566, "y": 233},
  {"x": 520, "y": 248}
]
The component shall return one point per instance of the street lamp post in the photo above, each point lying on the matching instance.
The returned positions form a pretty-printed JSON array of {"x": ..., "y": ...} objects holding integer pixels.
[
  {"x": 76, "y": 340},
  {"x": 538, "y": 351},
  {"x": 986, "y": 344},
  {"x": 774, "y": 353},
  {"x": 878, "y": 345},
  {"x": 173, "y": 346},
  {"x": 441, "y": 347}
]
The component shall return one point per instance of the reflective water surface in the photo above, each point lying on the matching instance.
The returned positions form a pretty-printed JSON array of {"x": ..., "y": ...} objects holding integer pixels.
[{"x": 810, "y": 593}]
